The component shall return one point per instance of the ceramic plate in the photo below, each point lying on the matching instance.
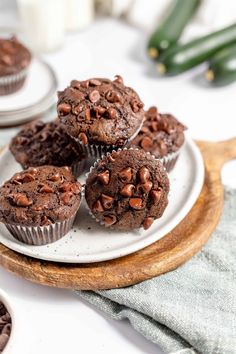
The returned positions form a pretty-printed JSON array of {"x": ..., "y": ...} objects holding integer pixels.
[
  {"x": 89, "y": 242},
  {"x": 35, "y": 97}
]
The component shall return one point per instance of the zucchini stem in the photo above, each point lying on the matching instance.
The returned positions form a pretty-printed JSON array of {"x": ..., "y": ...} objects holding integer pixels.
[
  {"x": 209, "y": 75},
  {"x": 153, "y": 53},
  {"x": 161, "y": 68}
]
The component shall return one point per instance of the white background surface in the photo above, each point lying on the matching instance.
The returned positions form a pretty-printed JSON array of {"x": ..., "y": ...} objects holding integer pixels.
[{"x": 56, "y": 321}]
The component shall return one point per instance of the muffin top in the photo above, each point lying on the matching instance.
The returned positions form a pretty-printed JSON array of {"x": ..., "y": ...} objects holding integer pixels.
[
  {"x": 127, "y": 189},
  {"x": 13, "y": 56},
  {"x": 160, "y": 134},
  {"x": 100, "y": 111},
  {"x": 40, "y": 143},
  {"x": 39, "y": 196}
]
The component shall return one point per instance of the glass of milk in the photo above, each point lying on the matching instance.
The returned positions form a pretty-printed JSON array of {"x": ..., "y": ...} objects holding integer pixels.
[{"x": 43, "y": 23}]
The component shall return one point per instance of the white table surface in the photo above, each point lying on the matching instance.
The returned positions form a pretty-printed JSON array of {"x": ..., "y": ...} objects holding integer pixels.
[{"x": 57, "y": 321}]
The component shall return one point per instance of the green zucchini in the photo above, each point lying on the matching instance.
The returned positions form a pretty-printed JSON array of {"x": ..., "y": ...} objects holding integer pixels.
[
  {"x": 222, "y": 67},
  {"x": 184, "y": 57},
  {"x": 171, "y": 28}
]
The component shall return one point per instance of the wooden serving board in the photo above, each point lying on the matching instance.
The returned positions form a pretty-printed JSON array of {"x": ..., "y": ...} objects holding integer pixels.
[{"x": 168, "y": 253}]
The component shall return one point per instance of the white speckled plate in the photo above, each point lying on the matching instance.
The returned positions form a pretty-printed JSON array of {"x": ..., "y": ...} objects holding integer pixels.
[{"x": 89, "y": 242}]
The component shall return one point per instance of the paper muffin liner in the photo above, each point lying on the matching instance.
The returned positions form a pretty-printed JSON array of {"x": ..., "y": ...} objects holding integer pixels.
[
  {"x": 79, "y": 167},
  {"x": 170, "y": 160},
  {"x": 97, "y": 151},
  {"x": 12, "y": 83},
  {"x": 101, "y": 222},
  {"x": 41, "y": 235}
]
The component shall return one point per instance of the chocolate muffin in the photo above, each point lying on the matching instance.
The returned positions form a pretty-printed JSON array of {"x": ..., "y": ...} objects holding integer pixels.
[
  {"x": 162, "y": 135},
  {"x": 5, "y": 326},
  {"x": 38, "y": 206},
  {"x": 14, "y": 62},
  {"x": 100, "y": 114},
  {"x": 127, "y": 189},
  {"x": 40, "y": 143}
]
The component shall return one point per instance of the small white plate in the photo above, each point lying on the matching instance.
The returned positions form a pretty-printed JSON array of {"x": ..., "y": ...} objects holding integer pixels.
[
  {"x": 35, "y": 97},
  {"x": 89, "y": 242}
]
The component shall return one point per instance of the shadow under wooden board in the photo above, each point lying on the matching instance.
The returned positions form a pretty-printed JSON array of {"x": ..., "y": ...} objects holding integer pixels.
[{"x": 168, "y": 253}]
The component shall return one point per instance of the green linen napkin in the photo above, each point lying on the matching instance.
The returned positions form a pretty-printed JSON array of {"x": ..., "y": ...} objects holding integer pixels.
[{"x": 189, "y": 310}]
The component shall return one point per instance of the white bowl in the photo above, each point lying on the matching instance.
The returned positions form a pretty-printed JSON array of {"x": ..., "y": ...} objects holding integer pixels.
[{"x": 4, "y": 298}]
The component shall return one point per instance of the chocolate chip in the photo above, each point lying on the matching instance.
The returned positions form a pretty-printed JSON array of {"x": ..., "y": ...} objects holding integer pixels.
[
  {"x": 43, "y": 136},
  {"x": 111, "y": 113},
  {"x": 144, "y": 174},
  {"x": 97, "y": 206},
  {"x": 83, "y": 138},
  {"x": 148, "y": 222},
  {"x": 66, "y": 197},
  {"x": 107, "y": 201},
  {"x": 85, "y": 83},
  {"x": 75, "y": 83},
  {"x": 119, "y": 79},
  {"x": 154, "y": 126},
  {"x": 99, "y": 111},
  {"x": 66, "y": 187},
  {"x": 144, "y": 129},
  {"x": 94, "y": 96},
  {"x": 146, "y": 143},
  {"x": 113, "y": 96},
  {"x": 95, "y": 82},
  {"x": 54, "y": 178},
  {"x": 109, "y": 219},
  {"x": 76, "y": 188},
  {"x": 45, "y": 220},
  {"x": 6, "y": 59},
  {"x": 46, "y": 189},
  {"x": 111, "y": 158},
  {"x": 64, "y": 108},
  {"x": 136, "y": 105},
  {"x": 17, "y": 179},
  {"x": 104, "y": 177},
  {"x": 155, "y": 195},
  {"x": 87, "y": 114},
  {"x": 125, "y": 175},
  {"x": 21, "y": 140},
  {"x": 127, "y": 190},
  {"x": 144, "y": 187},
  {"x": 20, "y": 199},
  {"x": 136, "y": 203},
  {"x": 28, "y": 178},
  {"x": 33, "y": 171}
]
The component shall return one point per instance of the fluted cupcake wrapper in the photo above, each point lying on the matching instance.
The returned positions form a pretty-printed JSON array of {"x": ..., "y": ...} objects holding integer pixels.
[
  {"x": 41, "y": 235},
  {"x": 12, "y": 83},
  {"x": 170, "y": 160},
  {"x": 79, "y": 167}
]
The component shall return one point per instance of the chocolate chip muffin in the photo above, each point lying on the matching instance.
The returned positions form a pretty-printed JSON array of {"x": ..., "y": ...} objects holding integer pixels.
[
  {"x": 14, "y": 62},
  {"x": 100, "y": 114},
  {"x": 162, "y": 135},
  {"x": 127, "y": 189},
  {"x": 5, "y": 326},
  {"x": 38, "y": 206},
  {"x": 40, "y": 143}
]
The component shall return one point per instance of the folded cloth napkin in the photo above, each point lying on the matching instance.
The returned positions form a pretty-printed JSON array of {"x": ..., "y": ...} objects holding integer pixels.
[{"x": 189, "y": 310}]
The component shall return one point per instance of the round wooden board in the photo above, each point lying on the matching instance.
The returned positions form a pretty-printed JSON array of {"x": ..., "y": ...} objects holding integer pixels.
[{"x": 171, "y": 251}]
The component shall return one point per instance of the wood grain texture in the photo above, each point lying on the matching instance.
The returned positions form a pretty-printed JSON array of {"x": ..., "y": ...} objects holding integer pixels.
[{"x": 171, "y": 251}]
